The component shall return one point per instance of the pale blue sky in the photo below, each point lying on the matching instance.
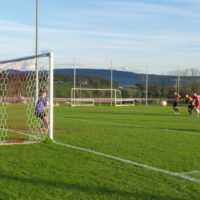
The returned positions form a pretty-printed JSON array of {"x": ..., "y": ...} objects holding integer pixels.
[{"x": 131, "y": 32}]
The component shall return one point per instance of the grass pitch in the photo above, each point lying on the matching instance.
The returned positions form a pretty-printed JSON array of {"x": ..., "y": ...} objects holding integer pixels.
[{"x": 152, "y": 136}]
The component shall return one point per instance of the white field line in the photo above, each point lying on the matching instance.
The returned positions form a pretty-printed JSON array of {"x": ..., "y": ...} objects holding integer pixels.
[
  {"x": 175, "y": 174},
  {"x": 136, "y": 126},
  {"x": 191, "y": 172}
]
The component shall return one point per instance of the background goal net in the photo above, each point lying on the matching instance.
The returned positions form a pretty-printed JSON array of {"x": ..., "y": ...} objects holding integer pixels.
[
  {"x": 21, "y": 80},
  {"x": 92, "y": 96}
]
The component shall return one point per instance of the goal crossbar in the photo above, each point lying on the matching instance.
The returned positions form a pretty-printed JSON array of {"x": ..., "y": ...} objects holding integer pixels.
[
  {"x": 93, "y": 89},
  {"x": 27, "y": 58}
]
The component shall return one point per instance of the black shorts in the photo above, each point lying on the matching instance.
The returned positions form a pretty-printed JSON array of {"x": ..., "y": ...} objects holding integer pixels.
[
  {"x": 175, "y": 104},
  {"x": 41, "y": 115},
  {"x": 191, "y": 107}
]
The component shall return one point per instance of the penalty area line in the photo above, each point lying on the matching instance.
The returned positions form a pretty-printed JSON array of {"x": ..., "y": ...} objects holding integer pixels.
[
  {"x": 191, "y": 172},
  {"x": 175, "y": 174}
]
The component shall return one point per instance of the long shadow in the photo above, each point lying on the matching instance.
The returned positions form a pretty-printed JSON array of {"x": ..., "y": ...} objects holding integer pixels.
[
  {"x": 87, "y": 188},
  {"x": 129, "y": 113},
  {"x": 107, "y": 119},
  {"x": 136, "y": 114},
  {"x": 133, "y": 126},
  {"x": 142, "y": 114}
]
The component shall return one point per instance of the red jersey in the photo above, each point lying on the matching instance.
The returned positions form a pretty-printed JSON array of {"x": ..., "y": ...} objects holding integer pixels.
[
  {"x": 198, "y": 98},
  {"x": 197, "y": 101}
]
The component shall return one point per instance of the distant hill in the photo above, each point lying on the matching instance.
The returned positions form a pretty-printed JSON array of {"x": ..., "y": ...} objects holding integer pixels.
[{"x": 122, "y": 78}]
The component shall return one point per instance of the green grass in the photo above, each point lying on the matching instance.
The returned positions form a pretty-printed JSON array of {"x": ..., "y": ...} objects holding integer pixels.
[{"x": 50, "y": 171}]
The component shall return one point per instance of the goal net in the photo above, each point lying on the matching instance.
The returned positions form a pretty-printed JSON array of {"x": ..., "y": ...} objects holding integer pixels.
[
  {"x": 120, "y": 101},
  {"x": 92, "y": 96},
  {"x": 22, "y": 81}
]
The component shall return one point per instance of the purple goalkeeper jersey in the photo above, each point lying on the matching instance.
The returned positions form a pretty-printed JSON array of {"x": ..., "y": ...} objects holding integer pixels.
[{"x": 41, "y": 104}]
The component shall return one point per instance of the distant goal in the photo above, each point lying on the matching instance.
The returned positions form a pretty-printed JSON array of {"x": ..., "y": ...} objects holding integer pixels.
[
  {"x": 125, "y": 102},
  {"x": 21, "y": 80},
  {"x": 98, "y": 96}
]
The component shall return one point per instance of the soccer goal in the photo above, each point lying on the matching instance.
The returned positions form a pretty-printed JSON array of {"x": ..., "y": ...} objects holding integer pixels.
[
  {"x": 120, "y": 101},
  {"x": 92, "y": 96},
  {"x": 21, "y": 81}
]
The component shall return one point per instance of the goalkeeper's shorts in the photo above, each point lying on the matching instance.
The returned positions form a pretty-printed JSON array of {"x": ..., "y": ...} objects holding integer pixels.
[{"x": 41, "y": 115}]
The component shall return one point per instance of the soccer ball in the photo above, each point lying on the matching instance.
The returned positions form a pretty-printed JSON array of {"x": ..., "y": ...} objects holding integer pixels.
[{"x": 164, "y": 103}]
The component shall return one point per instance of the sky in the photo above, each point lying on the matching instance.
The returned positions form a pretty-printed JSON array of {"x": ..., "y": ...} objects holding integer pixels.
[{"x": 159, "y": 34}]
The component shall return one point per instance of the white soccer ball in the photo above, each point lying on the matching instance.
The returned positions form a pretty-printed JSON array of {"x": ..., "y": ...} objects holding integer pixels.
[{"x": 164, "y": 103}]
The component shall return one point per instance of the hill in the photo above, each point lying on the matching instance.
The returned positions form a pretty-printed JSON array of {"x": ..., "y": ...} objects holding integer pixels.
[{"x": 122, "y": 78}]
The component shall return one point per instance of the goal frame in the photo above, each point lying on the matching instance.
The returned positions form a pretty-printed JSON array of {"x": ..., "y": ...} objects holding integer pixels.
[
  {"x": 122, "y": 100},
  {"x": 51, "y": 74},
  {"x": 74, "y": 99},
  {"x": 113, "y": 98}
]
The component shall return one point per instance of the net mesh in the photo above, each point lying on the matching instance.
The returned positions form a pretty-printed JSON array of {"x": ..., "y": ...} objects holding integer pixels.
[
  {"x": 92, "y": 96},
  {"x": 18, "y": 98}
]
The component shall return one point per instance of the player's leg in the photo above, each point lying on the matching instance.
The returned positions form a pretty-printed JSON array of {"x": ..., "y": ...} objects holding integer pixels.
[
  {"x": 189, "y": 109},
  {"x": 45, "y": 121},
  {"x": 177, "y": 109},
  {"x": 174, "y": 107},
  {"x": 198, "y": 112}
]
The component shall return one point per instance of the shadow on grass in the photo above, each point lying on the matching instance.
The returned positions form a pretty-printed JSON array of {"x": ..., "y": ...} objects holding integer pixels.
[
  {"x": 133, "y": 114},
  {"x": 87, "y": 189}
]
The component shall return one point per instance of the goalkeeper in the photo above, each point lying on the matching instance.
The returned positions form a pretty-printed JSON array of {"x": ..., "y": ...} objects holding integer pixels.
[{"x": 40, "y": 109}]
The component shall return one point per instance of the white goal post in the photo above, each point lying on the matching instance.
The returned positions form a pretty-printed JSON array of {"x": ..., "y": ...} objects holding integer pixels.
[
  {"x": 92, "y": 96},
  {"x": 87, "y": 96},
  {"x": 120, "y": 101},
  {"x": 18, "y": 98}
]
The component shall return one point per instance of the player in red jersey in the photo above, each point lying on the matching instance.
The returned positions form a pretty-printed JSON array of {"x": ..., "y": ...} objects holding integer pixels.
[
  {"x": 176, "y": 102},
  {"x": 197, "y": 103}
]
